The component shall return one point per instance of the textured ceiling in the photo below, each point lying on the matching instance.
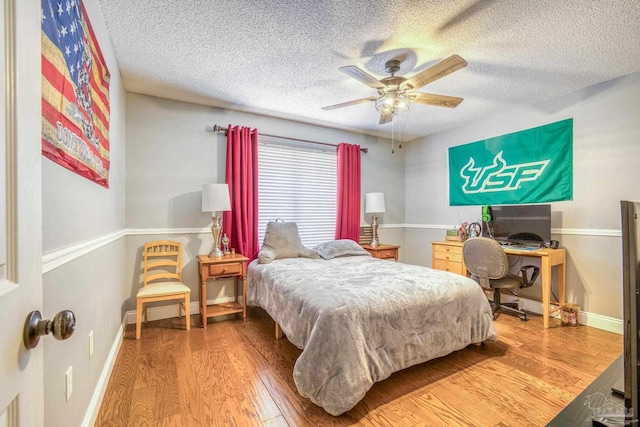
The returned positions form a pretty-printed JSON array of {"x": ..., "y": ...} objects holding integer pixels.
[{"x": 281, "y": 58}]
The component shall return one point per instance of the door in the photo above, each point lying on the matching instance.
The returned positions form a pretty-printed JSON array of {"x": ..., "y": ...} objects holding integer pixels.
[{"x": 21, "y": 370}]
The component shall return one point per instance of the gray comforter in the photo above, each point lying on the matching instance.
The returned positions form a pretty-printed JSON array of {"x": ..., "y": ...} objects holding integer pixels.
[{"x": 359, "y": 319}]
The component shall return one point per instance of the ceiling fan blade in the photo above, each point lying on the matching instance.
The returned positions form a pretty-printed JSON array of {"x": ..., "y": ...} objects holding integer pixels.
[
  {"x": 362, "y": 76},
  {"x": 347, "y": 104},
  {"x": 385, "y": 118},
  {"x": 435, "y": 72},
  {"x": 438, "y": 100}
]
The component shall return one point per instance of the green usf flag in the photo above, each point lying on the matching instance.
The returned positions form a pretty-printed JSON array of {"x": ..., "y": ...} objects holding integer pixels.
[{"x": 531, "y": 166}]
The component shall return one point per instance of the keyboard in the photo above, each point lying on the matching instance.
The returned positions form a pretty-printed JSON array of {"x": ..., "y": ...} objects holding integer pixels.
[{"x": 522, "y": 248}]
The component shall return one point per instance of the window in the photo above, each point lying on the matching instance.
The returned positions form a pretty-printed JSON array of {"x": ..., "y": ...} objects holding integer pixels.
[{"x": 297, "y": 183}]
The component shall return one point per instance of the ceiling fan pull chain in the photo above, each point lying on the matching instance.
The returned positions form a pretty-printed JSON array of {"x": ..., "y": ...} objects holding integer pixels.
[
  {"x": 392, "y": 138},
  {"x": 400, "y": 132}
]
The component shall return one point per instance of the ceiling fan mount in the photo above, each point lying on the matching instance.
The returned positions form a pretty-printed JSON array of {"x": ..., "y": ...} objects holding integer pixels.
[
  {"x": 392, "y": 66},
  {"x": 395, "y": 94}
]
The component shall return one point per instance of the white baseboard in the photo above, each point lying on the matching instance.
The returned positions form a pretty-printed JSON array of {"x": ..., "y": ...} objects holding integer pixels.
[
  {"x": 101, "y": 387},
  {"x": 584, "y": 318},
  {"x": 171, "y": 310},
  {"x": 597, "y": 321},
  {"x": 601, "y": 322}
]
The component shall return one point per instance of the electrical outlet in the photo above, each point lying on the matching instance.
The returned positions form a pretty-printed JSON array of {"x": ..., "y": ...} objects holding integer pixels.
[
  {"x": 90, "y": 344},
  {"x": 69, "y": 382}
]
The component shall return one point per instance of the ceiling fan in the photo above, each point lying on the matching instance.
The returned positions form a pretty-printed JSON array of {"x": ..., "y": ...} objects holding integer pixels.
[{"x": 395, "y": 93}]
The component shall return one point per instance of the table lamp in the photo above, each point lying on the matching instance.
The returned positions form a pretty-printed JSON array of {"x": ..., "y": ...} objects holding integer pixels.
[
  {"x": 374, "y": 203},
  {"x": 215, "y": 198}
]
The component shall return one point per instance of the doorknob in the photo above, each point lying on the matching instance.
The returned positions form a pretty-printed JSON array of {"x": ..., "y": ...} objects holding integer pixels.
[{"x": 62, "y": 326}]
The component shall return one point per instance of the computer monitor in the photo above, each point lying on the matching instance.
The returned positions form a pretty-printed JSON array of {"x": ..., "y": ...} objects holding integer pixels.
[{"x": 519, "y": 224}]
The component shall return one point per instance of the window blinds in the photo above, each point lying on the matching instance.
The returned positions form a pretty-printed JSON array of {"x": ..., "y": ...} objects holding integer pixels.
[{"x": 297, "y": 184}]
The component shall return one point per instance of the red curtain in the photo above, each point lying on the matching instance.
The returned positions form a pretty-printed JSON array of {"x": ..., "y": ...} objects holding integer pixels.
[
  {"x": 348, "y": 221},
  {"x": 241, "y": 222}
]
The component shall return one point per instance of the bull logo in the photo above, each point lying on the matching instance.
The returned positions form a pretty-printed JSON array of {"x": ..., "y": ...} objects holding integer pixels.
[{"x": 499, "y": 176}]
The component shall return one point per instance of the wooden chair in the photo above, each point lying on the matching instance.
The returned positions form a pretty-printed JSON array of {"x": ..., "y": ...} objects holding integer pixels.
[{"x": 162, "y": 279}]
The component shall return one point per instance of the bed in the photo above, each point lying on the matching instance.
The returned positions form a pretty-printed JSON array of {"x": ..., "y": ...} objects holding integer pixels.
[{"x": 358, "y": 319}]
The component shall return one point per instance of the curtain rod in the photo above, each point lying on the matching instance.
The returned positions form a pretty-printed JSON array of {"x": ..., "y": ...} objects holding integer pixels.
[{"x": 218, "y": 128}]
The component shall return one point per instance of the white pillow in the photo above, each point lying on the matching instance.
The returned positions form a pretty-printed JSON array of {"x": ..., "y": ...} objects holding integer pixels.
[
  {"x": 281, "y": 240},
  {"x": 339, "y": 248}
]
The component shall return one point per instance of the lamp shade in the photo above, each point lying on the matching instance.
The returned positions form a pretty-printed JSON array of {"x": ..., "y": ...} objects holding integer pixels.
[
  {"x": 374, "y": 203},
  {"x": 215, "y": 198}
]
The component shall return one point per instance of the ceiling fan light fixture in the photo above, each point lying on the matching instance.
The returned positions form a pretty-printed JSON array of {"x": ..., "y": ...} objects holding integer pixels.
[
  {"x": 393, "y": 102},
  {"x": 402, "y": 103}
]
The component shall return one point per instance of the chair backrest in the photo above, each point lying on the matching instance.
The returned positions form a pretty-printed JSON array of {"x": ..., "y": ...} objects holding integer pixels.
[
  {"x": 485, "y": 258},
  {"x": 162, "y": 260}
]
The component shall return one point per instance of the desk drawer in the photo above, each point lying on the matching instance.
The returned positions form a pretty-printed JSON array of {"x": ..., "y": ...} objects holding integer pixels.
[
  {"x": 448, "y": 249},
  {"x": 452, "y": 266},
  {"x": 448, "y": 256},
  {"x": 229, "y": 269}
]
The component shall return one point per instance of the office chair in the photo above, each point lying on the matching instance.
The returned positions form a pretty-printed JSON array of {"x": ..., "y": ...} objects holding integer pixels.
[{"x": 489, "y": 266}]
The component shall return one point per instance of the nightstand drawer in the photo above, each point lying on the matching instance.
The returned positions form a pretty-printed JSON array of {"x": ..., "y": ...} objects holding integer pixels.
[
  {"x": 225, "y": 269},
  {"x": 452, "y": 266},
  {"x": 448, "y": 256},
  {"x": 383, "y": 251},
  {"x": 386, "y": 254}
]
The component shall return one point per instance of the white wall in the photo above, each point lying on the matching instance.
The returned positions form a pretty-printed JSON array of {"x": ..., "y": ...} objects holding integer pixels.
[
  {"x": 170, "y": 155},
  {"x": 75, "y": 210},
  {"x": 605, "y": 158}
]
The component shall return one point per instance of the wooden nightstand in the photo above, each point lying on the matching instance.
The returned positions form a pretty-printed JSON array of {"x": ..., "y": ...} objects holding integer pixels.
[
  {"x": 216, "y": 268},
  {"x": 383, "y": 251}
]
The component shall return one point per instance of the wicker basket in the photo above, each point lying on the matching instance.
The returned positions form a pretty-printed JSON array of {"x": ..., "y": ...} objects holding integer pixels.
[{"x": 569, "y": 314}]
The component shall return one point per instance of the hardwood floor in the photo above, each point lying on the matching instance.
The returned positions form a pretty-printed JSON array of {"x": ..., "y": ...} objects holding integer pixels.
[{"x": 236, "y": 373}]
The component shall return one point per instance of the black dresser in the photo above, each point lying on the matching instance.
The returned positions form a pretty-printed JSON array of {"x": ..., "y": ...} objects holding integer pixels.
[{"x": 597, "y": 397}]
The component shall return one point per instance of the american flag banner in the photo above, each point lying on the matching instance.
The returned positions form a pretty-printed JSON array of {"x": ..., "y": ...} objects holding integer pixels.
[{"x": 75, "y": 92}]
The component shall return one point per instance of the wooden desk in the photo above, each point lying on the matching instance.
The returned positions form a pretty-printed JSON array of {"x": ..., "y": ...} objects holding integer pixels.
[
  {"x": 383, "y": 251},
  {"x": 216, "y": 268},
  {"x": 548, "y": 258}
]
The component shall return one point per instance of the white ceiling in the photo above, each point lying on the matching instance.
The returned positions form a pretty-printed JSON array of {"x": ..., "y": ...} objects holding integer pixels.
[{"x": 281, "y": 58}]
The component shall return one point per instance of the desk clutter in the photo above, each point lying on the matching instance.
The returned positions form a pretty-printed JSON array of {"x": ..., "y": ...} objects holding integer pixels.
[
  {"x": 463, "y": 232},
  {"x": 458, "y": 234},
  {"x": 452, "y": 235}
]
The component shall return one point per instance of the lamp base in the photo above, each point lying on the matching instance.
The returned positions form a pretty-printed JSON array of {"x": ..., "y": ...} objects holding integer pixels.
[
  {"x": 216, "y": 253},
  {"x": 374, "y": 231},
  {"x": 216, "y": 229}
]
